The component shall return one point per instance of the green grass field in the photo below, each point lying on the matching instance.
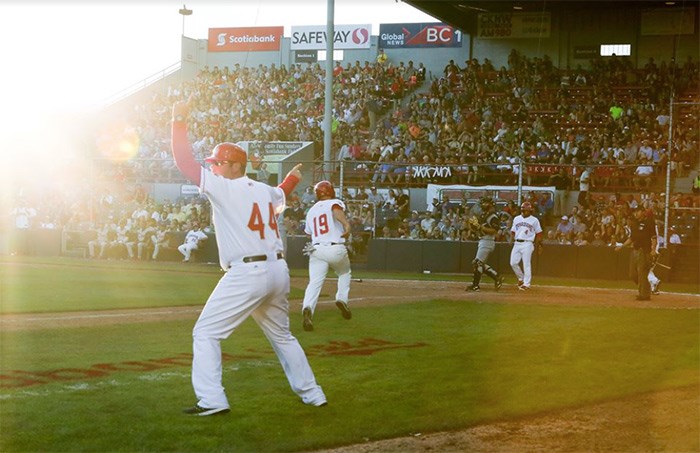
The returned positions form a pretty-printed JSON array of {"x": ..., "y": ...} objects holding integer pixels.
[{"x": 392, "y": 370}]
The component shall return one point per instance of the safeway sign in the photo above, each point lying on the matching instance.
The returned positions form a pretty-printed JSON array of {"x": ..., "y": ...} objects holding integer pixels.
[{"x": 345, "y": 37}]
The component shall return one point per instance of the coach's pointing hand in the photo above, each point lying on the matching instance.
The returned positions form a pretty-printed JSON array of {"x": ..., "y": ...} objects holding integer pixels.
[{"x": 295, "y": 172}]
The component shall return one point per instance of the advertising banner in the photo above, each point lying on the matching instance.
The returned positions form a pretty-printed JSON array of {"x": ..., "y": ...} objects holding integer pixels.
[
  {"x": 247, "y": 39},
  {"x": 345, "y": 37},
  {"x": 514, "y": 25},
  {"x": 425, "y": 35}
]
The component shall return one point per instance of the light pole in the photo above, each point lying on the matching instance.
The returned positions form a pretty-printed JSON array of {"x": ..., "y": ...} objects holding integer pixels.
[{"x": 184, "y": 12}]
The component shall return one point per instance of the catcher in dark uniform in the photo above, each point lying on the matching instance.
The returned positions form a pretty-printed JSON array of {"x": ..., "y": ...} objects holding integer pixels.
[{"x": 487, "y": 225}]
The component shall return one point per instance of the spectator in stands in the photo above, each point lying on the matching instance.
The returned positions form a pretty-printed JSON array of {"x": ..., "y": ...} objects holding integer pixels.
[
  {"x": 565, "y": 227},
  {"x": 597, "y": 239},
  {"x": 696, "y": 184},
  {"x": 561, "y": 183},
  {"x": 382, "y": 57},
  {"x": 674, "y": 237},
  {"x": 643, "y": 175},
  {"x": 550, "y": 238},
  {"x": 375, "y": 198}
]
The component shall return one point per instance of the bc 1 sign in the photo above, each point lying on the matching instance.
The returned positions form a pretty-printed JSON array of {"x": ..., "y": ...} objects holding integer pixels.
[{"x": 394, "y": 36}]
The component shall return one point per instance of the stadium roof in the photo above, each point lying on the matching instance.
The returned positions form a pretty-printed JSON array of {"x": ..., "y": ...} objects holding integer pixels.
[{"x": 463, "y": 14}]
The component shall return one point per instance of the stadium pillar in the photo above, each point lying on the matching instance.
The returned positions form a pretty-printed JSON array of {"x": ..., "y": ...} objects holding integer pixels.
[{"x": 328, "y": 106}]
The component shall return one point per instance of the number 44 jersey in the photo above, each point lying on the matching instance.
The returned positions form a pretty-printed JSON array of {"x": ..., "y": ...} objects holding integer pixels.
[
  {"x": 321, "y": 225},
  {"x": 244, "y": 213}
]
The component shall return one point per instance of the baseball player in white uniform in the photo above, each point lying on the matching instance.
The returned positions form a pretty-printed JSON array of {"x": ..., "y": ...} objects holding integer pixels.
[
  {"x": 256, "y": 282},
  {"x": 328, "y": 227},
  {"x": 192, "y": 240},
  {"x": 527, "y": 234},
  {"x": 655, "y": 281}
]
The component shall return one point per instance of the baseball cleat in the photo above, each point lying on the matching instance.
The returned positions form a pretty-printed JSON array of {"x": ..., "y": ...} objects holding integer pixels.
[
  {"x": 474, "y": 288},
  {"x": 523, "y": 287},
  {"x": 343, "y": 307},
  {"x": 498, "y": 283},
  {"x": 204, "y": 411},
  {"x": 308, "y": 325}
]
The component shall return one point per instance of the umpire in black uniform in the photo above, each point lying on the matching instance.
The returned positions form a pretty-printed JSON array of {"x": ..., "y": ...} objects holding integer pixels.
[{"x": 643, "y": 240}]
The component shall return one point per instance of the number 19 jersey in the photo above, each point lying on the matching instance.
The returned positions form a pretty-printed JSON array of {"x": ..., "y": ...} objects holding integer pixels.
[{"x": 321, "y": 224}]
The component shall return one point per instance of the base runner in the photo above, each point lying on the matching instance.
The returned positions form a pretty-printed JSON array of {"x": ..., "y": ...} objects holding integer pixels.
[{"x": 328, "y": 227}]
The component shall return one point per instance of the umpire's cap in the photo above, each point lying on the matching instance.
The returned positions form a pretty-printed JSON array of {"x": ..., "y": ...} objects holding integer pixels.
[{"x": 228, "y": 152}]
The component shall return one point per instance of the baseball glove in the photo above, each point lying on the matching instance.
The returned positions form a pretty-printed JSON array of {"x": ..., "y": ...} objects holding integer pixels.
[{"x": 308, "y": 249}]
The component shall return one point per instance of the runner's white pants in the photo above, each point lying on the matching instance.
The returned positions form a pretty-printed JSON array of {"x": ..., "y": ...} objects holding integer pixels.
[
  {"x": 522, "y": 251},
  {"x": 260, "y": 290},
  {"x": 325, "y": 256}
]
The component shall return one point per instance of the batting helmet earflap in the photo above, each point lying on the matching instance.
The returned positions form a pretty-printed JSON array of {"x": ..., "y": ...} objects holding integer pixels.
[
  {"x": 526, "y": 205},
  {"x": 324, "y": 189},
  {"x": 228, "y": 152}
]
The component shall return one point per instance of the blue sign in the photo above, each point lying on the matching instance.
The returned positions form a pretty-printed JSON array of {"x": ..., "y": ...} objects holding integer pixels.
[{"x": 401, "y": 36}]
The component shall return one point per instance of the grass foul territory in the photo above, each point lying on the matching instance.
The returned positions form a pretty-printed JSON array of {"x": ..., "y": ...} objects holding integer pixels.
[{"x": 393, "y": 370}]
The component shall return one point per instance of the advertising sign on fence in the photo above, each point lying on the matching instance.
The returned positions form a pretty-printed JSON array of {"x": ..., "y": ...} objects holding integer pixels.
[
  {"x": 394, "y": 36},
  {"x": 246, "y": 39},
  {"x": 313, "y": 37}
]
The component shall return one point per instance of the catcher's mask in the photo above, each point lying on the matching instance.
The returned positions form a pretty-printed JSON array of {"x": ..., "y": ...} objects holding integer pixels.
[{"x": 324, "y": 190}]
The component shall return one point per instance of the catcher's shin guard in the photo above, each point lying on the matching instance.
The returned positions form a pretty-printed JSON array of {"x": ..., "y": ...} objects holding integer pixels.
[
  {"x": 477, "y": 267},
  {"x": 491, "y": 272}
]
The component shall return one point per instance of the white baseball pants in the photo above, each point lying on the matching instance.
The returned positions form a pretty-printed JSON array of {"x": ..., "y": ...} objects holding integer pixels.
[
  {"x": 186, "y": 249},
  {"x": 260, "y": 290},
  {"x": 325, "y": 256},
  {"x": 522, "y": 251}
]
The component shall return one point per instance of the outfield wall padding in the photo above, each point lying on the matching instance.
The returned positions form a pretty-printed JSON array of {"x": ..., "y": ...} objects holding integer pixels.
[{"x": 566, "y": 261}]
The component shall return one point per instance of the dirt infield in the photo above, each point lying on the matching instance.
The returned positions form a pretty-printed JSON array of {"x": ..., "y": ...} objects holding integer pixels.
[{"x": 668, "y": 420}]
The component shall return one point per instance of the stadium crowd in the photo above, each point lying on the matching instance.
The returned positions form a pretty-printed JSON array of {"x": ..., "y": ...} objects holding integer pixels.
[{"x": 611, "y": 121}]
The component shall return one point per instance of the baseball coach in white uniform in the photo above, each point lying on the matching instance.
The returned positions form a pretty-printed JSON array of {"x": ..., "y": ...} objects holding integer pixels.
[
  {"x": 256, "y": 282},
  {"x": 328, "y": 227}
]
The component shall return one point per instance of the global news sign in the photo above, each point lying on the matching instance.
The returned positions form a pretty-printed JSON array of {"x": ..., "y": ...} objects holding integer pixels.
[{"x": 395, "y": 36}]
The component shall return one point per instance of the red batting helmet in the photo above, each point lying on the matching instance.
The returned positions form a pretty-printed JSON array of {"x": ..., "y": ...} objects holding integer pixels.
[
  {"x": 228, "y": 152},
  {"x": 526, "y": 205},
  {"x": 324, "y": 189}
]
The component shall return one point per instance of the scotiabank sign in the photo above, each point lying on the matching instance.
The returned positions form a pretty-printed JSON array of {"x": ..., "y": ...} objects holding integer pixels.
[
  {"x": 344, "y": 37},
  {"x": 247, "y": 39}
]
